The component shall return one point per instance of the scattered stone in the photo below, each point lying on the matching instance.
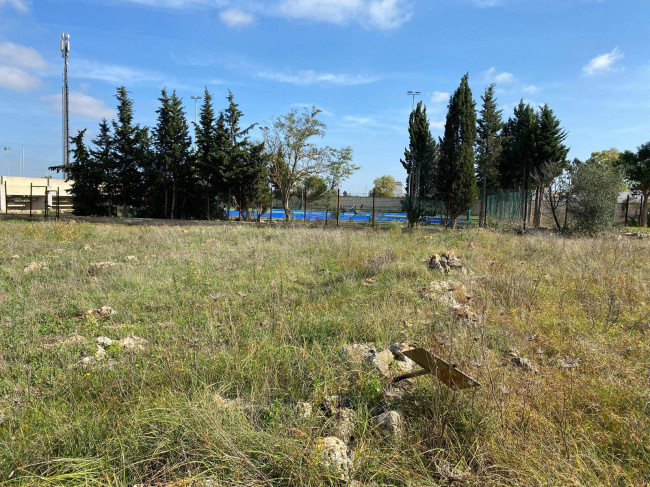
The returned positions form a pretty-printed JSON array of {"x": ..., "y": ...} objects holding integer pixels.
[
  {"x": 463, "y": 312},
  {"x": 86, "y": 361},
  {"x": 35, "y": 266},
  {"x": 445, "y": 262},
  {"x": 131, "y": 257},
  {"x": 382, "y": 362},
  {"x": 344, "y": 423},
  {"x": 104, "y": 341},
  {"x": 332, "y": 403},
  {"x": 87, "y": 248},
  {"x": 241, "y": 294},
  {"x": 359, "y": 352},
  {"x": 100, "y": 353},
  {"x": 395, "y": 392},
  {"x": 133, "y": 343},
  {"x": 97, "y": 267},
  {"x": 304, "y": 410},
  {"x": 332, "y": 453},
  {"x": 392, "y": 422},
  {"x": 100, "y": 312},
  {"x": 569, "y": 363},
  {"x": 370, "y": 281},
  {"x": 403, "y": 363},
  {"x": 641, "y": 235},
  {"x": 521, "y": 362},
  {"x": 15, "y": 257}
]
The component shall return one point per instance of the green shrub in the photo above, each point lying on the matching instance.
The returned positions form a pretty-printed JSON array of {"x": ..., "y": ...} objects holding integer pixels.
[{"x": 595, "y": 191}]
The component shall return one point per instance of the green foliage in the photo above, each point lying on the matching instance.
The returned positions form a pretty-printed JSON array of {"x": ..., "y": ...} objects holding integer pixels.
[
  {"x": 87, "y": 174},
  {"x": 456, "y": 179},
  {"x": 595, "y": 190},
  {"x": 421, "y": 156},
  {"x": 489, "y": 142},
  {"x": 384, "y": 187},
  {"x": 294, "y": 156},
  {"x": 636, "y": 168},
  {"x": 315, "y": 185}
]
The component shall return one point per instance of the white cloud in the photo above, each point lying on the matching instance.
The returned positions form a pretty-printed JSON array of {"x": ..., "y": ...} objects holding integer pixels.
[
  {"x": 603, "y": 63},
  {"x": 21, "y": 56},
  {"x": 378, "y": 14},
  {"x": 310, "y": 77},
  {"x": 82, "y": 105},
  {"x": 15, "y": 79},
  {"x": 20, "y": 5},
  {"x": 440, "y": 97},
  {"x": 493, "y": 76},
  {"x": 112, "y": 73},
  {"x": 532, "y": 89},
  {"x": 234, "y": 17}
]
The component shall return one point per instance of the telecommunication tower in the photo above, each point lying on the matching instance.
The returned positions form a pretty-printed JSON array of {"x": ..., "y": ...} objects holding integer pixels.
[{"x": 65, "y": 54}]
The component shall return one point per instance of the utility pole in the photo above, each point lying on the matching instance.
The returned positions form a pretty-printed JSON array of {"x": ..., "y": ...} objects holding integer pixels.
[{"x": 65, "y": 54}]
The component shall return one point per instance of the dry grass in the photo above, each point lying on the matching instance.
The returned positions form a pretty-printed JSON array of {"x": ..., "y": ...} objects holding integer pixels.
[{"x": 259, "y": 315}]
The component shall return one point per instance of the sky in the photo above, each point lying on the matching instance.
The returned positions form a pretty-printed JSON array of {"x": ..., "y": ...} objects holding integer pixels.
[{"x": 354, "y": 59}]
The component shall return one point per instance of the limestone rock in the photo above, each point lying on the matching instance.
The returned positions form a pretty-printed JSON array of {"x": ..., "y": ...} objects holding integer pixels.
[
  {"x": 332, "y": 453},
  {"x": 35, "y": 266},
  {"x": 521, "y": 362},
  {"x": 100, "y": 353},
  {"x": 391, "y": 422},
  {"x": 104, "y": 341},
  {"x": 382, "y": 361},
  {"x": 445, "y": 262},
  {"x": 343, "y": 424},
  {"x": 304, "y": 410},
  {"x": 133, "y": 343},
  {"x": 100, "y": 312}
]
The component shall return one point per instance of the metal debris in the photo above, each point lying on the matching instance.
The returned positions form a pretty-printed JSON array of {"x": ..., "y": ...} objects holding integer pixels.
[{"x": 446, "y": 373}]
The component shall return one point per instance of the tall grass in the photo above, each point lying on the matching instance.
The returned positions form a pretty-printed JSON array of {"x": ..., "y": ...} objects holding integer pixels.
[{"x": 242, "y": 323}]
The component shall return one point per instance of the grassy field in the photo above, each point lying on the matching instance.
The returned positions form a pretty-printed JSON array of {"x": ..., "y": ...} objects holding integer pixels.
[{"x": 219, "y": 332}]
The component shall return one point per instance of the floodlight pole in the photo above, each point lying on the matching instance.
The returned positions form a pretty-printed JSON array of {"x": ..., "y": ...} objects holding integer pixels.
[
  {"x": 65, "y": 54},
  {"x": 413, "y": 94}
]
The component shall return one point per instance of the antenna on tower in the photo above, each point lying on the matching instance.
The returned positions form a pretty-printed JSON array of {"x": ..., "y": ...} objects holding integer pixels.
[{"x": 65, "y": 54}]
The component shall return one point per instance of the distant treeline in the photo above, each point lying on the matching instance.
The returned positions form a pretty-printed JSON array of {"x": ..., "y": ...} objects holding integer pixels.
[{"x": 158, "y": 172}]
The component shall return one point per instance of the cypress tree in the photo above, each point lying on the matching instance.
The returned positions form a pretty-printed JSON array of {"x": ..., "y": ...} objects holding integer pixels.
[
  {"x": 488, "y": 146},
  {"x": 420, "y": 160},
  {"x": 456, "y": 178}
]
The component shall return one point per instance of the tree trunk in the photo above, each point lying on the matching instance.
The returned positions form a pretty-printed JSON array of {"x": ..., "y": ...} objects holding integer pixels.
[
  {"x": 482, "y": 217},
  {"x": 452, "y": 223},
  {"x": 644, "y": 210},
  {"x": 285, "y": 206},
  {"x": 173, "y": 213},
  {"x": 554, "y": 206}
]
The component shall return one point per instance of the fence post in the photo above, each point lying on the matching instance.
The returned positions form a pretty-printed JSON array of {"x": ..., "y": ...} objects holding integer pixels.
[
  {"x": 627, "y": 208},
  {"x": 373, "y": 207},
  {"x": 271, "y": 208},
  {"x": 30, "y": 199},
  {"x": 304, "y": 204},
  {"x": 6, "y": 200},
  {"x": 58, "y": 205},
  {"x": 228, "y": 203},
  {"x": 239, "y": 203},
  {"x": 338, "y": 205}
]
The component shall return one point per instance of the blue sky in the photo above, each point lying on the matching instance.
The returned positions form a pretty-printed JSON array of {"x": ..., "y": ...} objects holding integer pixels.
[{"x": 355, "y": 59}]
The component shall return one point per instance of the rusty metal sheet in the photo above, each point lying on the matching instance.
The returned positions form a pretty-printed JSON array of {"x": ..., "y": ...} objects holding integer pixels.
[{"x": 447, "y": 373}]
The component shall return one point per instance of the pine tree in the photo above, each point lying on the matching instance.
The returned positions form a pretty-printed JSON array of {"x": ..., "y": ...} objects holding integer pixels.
[
  {"x": 172, "y": 145},
  {"x": 207, "y": 149},
  {"x": 551, "y": 153},
  {"x": 488, "y": 146},
  {"x": 101, "y": 155},
  {"x": 456, "y": 178},
  {"x": 129, "y": 148},
  {"x": 87, "y": 197}
]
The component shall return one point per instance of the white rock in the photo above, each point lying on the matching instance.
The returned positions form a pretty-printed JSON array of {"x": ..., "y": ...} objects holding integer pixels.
[
  {"x": 391, "y": 421},
  {"x": 382, "y": 362},
  {"x": 304, "y": 410},
  {"x": 133, "y": 343},
  {"x": 104, "y": 341},
  {"x": 333, "y": 454},
  {"x": 100, "y": 353}
]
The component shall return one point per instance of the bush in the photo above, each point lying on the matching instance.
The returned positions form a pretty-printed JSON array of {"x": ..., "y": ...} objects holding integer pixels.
[{"x": 595, "y": 189}]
